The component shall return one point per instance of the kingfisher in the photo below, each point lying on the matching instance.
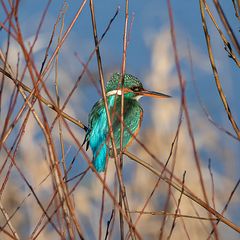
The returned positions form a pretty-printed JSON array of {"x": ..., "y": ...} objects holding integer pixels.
[{"x": 98, "y": 136}]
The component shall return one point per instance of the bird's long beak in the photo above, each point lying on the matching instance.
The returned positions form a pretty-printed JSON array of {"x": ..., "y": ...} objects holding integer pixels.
[{"x": 153, "y": 94}]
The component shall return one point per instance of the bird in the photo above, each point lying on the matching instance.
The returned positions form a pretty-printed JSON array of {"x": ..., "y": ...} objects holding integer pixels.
[{"x": 97, "y": 136}]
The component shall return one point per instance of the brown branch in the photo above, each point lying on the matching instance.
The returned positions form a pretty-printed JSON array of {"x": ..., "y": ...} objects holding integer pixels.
[
  {"x": 226, "y": 205},
  {"x": 215, "y": 72},
  {"x": 31, "y": 189},
  {"x": 99, "y": 178},
  {"x": 177, "y": 215},
  {"x": 57, "y": 171},
  {"x": 131, "y": 156},
  {"x": 185, "y": 107},
  {"x": 178, "y": 205},
  {"x": 60, "y": 16},
  {"x": 45, "y": 101},
  {"x": 86, "y": 64},
  {"x": 212, "y": 182},
  {"x": 227, "y": 45},
  {"x": 63, "y": 38},
  {"x": 227, "y": 25},
  {"x": 174, "y": 142},
  {"x": 236, "y": 8},
  {"x": 122, "y": 194},
  {"x": 67, "y": 207},
  {"x": 115, "y": 154},
  {"x": 108, "y": 224},
  {"x": 5, "y": 214},
  {"x": 205, "y": 111},
  {"x": 186, "y": 192}
]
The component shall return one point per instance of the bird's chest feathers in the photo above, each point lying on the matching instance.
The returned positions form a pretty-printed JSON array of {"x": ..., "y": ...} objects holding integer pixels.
[{"x": 132, "y": 119}]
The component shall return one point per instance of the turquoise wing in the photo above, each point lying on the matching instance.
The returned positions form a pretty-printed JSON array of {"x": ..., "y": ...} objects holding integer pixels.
[
  {"x": 96, "y": 137},
  {"x": 98, "y": 134}
]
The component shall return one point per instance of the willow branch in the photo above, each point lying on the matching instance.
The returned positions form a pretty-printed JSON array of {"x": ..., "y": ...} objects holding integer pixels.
[
  {"x": 185, "y": 192},
  {"x": 215, "y": 72},
  {"x": 100, "y": 70},
  {"x": 44, "y": 100}
]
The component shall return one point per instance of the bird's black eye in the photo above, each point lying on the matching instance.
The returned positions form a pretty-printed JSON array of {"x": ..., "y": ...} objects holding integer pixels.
[{"x": 136, "y": 89}]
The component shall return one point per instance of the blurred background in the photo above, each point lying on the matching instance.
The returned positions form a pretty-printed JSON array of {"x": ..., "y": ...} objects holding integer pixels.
[{"x": 27, "y": 178}]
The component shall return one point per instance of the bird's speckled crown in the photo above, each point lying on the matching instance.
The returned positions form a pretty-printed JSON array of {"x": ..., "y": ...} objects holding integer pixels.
[{"x": 129, "y": 81}]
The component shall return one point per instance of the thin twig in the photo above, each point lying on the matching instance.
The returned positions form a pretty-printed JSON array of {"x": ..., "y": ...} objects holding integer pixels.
[
  {"x": 60, "y": 16},
  {"x": 236, "y": 8},
  {"x": 185, "y": 192},
  {"x": 108, "y": 224},
  {"x": 112, "y": 196},
  {"x": 177, "y": 215},
  {"x": 226, "y": 205},
  {"x": 227, "y": 45},
  {"x": 122, "y": 194},
  {"x": 68, "y": 203},
  {"x": 45, "y": 101},
  {"x": 86, "y": 64},
  {"x": 227, "y": 25},
  {"x": 31, "y": 189},
  {"x": 66, "y": 33},
  {"x": 178, "y": 205},
  {"x": 212, "y": 182},
  {"x": 215, "y": 72},
  {"x": 174, "y": 142},
  {"x": 205, "y": 111},
  {"x": 100, "y": 70},
  {"x": 131, "y": 156},
  {"x": 185, "y": 107},
  {"x": 176, "y": 138},
  {"x": 5, "y": 214}
]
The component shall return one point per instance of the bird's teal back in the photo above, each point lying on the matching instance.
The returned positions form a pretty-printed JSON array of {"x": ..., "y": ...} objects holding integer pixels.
[{"x": 98, "y": 135}]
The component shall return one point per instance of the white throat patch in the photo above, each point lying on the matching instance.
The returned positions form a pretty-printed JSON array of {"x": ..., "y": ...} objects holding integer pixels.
[
  {"x": 114, "y": 92},
  {"x": 119, "y": 93},
  {"x": 138, "y": 97}
]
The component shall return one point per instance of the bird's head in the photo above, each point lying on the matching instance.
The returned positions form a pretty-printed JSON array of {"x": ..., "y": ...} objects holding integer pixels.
[{"x": 133, "y": 88}]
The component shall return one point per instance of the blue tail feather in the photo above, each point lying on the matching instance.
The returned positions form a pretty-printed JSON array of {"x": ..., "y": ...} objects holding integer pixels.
[{"x": 99, "y": 157}]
